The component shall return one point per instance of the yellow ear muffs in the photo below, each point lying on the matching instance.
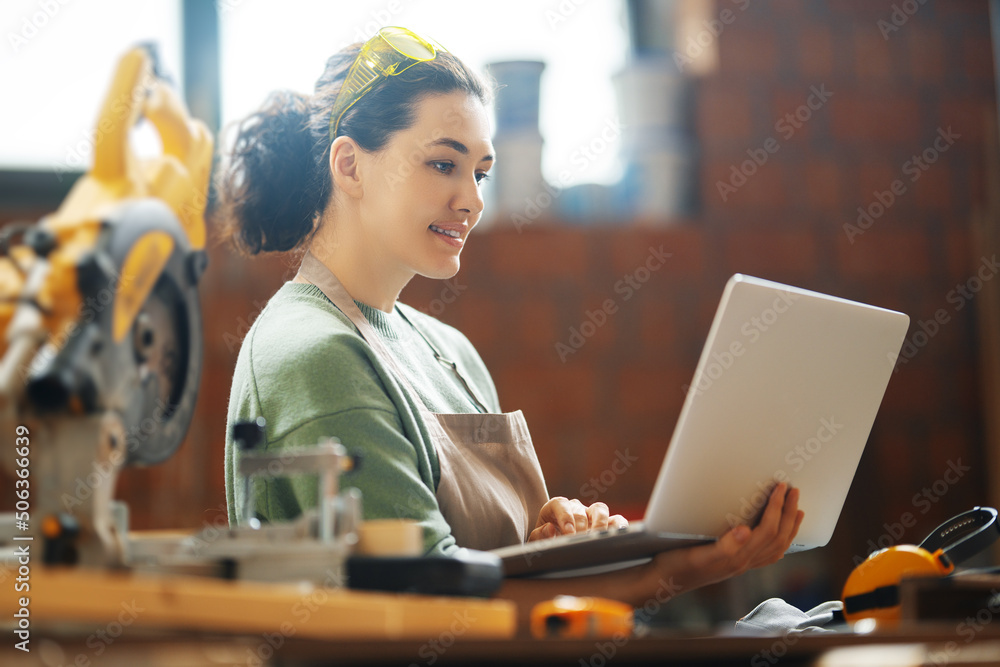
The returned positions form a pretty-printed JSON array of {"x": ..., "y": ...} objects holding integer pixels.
[{"x": 872, "y": 589}]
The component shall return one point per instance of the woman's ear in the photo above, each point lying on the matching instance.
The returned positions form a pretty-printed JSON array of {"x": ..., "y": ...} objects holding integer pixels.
[{"x": 344, "y": 154}]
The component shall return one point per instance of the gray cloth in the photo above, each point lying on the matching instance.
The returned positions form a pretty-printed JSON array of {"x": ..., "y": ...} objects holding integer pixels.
[{"x": 777, "y": 617}]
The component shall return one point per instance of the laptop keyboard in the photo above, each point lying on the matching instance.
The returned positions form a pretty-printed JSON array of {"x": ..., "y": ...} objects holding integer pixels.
[
  {"x": 592, "y": 534},
  {"x": 561, "y": 540}
]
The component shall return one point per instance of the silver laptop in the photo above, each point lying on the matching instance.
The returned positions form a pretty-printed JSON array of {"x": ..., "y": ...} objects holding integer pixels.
[{"x": 787, "y": 389}]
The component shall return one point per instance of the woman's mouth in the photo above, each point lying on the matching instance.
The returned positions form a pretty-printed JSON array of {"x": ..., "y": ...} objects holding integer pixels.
[
  {"x": 455, "y": 234},
  {"x": 452, "y": 237}
]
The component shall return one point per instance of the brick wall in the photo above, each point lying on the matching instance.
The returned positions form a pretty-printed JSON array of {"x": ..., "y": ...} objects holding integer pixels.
[
  {"x": 522, "y": 293},
  {"x": 891, "y": 97}
]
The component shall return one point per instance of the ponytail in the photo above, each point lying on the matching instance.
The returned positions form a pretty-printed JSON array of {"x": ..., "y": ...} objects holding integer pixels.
[{"x": 273, "y": 188}]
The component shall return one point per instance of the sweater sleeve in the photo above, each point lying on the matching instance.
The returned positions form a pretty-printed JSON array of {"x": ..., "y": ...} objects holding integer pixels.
[{"x": 310, "y": 376}]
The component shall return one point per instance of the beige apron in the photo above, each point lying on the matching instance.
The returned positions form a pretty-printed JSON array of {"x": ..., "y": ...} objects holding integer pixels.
[{"x": 491, "y": 487}]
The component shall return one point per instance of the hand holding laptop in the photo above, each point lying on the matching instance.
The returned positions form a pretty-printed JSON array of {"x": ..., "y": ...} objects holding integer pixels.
[
  {"x": 679, "y": 570},
  {"x": 741, "y": 548}
]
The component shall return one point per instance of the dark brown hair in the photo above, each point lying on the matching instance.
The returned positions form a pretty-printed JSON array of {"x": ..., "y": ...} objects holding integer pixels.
[{"x": 276, "y": 181}]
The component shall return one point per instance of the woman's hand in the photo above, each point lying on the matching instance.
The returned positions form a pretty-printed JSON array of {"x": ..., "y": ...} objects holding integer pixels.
[
  {"x": 670, "y": 573},
  {"x": 561, "y": 516},
  {"x": 741, "y": 548}
]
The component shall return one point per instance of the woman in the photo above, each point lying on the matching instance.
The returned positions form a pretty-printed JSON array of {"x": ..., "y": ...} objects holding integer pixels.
[{"x": 378, "y": 180}]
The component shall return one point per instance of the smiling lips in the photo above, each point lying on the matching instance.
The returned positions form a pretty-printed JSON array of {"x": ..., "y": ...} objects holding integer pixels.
[
  {"x": 451, "y": 233},
  {"x": 454, "y": 233}
]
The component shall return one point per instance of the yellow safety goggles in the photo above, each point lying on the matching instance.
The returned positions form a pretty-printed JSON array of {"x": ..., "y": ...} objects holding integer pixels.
[{"x": 391, "y": 51}]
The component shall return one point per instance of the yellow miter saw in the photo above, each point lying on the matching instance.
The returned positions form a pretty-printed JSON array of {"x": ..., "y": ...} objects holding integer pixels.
[{"x": 102, "y": 348}]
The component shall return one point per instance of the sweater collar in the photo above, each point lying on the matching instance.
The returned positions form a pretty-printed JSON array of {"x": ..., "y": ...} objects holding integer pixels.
[{"x": 386, "y": 324}]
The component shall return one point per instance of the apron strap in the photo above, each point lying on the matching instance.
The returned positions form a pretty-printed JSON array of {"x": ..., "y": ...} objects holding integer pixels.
[
  {"x": 320, "y": 275},
  {"x": 480, "y": 404}
]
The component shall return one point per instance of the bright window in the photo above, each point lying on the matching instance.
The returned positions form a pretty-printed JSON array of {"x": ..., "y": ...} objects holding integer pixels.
[
  {"x": 56, "y": 62},
  {"x": 269, "y": 46},
  {"x": 58, "y": 56}
]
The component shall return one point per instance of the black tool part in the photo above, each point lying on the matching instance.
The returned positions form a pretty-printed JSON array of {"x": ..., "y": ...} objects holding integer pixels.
[
  {"x": 60, "y": 546},
  {"x": 41, "y": 240},
  {"x": 53, "y": 383},
  {"x": 249, "y": 435},
  {"x": 469, "y": 573}
]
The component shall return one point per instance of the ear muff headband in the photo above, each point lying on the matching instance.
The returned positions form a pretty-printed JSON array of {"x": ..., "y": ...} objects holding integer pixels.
[
  {"x": 872, "y": 590},
  {"x": 965, "y": 535}
]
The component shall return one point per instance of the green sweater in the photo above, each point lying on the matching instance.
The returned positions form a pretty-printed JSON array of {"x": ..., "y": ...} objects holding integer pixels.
[{"x": 304, "y": 367}]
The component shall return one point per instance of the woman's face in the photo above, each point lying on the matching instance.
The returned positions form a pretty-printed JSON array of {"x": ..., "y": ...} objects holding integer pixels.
[{"x": 421, "y": 193}]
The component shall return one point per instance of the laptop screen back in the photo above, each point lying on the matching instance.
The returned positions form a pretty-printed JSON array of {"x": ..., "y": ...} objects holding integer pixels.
[{"x": 786, "y": 389}]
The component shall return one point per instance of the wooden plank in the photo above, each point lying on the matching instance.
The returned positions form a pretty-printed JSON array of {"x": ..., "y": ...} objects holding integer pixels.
[{"x": 59, "y": 596}]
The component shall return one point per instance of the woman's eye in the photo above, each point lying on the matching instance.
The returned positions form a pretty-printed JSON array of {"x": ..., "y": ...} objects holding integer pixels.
[
  {"x": 443, "y": 167},
  {"x": 447, "y": 168}
]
